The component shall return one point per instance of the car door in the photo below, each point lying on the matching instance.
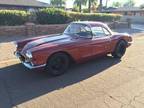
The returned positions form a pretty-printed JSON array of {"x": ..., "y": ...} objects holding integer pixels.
[
  {"x": 85, "y": 48},
  {"x": 101, "y": 40},
  {"x": 84, "y": 43}
]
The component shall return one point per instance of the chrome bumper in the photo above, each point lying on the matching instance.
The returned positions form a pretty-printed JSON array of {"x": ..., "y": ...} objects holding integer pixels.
[
  {"x": 129, "y": 44},
  {"x": 28, "y": 64}
]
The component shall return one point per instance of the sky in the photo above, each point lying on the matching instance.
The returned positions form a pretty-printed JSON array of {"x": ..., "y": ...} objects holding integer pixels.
[{"x": 69, "y": 3}]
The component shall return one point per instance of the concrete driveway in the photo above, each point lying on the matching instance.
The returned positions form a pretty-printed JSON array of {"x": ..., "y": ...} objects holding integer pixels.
[{"x": 101, "y": 83}]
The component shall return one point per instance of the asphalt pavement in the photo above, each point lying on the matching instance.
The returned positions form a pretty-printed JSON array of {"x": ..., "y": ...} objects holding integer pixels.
[{"x": 100, "y": 83}]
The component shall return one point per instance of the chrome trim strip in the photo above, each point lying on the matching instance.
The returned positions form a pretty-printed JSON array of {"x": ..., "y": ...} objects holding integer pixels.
[{"x": 28, "y": 65}]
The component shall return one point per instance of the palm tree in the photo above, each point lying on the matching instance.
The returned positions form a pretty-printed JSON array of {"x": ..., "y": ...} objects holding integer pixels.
[
  {"x": 58, "y": 3},
  {"x": 91, "y": 2},
  {"x": 116, "y": 4},
  {"x": 101, "y": 5},
  {"x": 79, "y": 3},
  {"x": 129, "y": 3},
  {"x": 106, "y": 3}
]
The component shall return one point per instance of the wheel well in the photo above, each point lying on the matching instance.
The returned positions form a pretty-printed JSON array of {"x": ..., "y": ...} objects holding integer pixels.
[
  {"x": 63, "y": 52},
  {"x": 122, "y": 40},
  {"x": 118, "y": 43}
]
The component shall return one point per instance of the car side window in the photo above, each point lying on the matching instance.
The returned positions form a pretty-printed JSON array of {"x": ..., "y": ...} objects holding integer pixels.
[
  {"x": 85, "y": 31},
  {"x": 79, "y": 29},
  {"x": 99, "y": 31}
]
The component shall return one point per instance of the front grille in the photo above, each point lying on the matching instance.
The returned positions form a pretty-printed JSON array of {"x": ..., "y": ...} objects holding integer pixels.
[{"x": 22, "y": 58}]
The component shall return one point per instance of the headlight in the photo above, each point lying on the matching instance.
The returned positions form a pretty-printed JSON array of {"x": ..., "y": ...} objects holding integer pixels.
[
  {"x": 16, "y": 45},
  {"x": 29, "y": 54}
]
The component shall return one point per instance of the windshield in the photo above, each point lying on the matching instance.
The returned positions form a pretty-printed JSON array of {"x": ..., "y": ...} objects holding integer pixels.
[{"x": 78, "y": 29}]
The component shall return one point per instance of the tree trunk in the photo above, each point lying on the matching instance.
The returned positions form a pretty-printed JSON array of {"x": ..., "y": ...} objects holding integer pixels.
[
  {"x": 106, "y": 3},
  {"x": 60, "y": 3},
  {"x": 80, "y": 7},
  {"x": 89, "y": 8}
]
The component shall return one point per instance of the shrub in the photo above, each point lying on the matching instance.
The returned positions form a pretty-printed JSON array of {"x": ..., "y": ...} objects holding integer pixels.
[
  {"x": 94, "y": 17},
  {"x": 13, "y": 17},
  {"x": 59, "y": 16},
  {"x": 75, "y": 9},
  {"x": 52, "y": 16},
  {"x": 85, "y": 10}
]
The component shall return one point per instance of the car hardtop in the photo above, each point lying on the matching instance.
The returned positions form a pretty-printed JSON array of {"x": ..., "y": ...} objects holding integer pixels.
[{"x": 90, "y": 23}]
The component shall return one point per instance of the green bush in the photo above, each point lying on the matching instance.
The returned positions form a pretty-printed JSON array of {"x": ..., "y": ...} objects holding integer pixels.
[
  {"x": 104, "y": 17},
  {"x": 52, "y": 16},
  {"x": 85, "y": 10},
  {"x": 13, "y": 17},
  {"x": 58, "y": 16}
]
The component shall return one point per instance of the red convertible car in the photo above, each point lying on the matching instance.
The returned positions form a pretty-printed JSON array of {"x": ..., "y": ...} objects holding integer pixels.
[{"x": 79, "y": 42}]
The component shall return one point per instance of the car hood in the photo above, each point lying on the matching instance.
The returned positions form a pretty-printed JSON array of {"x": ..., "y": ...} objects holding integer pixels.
[{"x": 47, "y": 40}]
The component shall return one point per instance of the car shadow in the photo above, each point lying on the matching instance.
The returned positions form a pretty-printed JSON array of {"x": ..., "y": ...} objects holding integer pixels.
[{"x": 23, "y": 84}]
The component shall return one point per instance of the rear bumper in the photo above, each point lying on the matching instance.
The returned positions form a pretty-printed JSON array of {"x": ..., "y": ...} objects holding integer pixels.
[
  {"x": 129, "y": 44},
  {"x": 29, "y": 65}
]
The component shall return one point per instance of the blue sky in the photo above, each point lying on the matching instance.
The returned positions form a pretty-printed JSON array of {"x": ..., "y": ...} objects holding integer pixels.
[{"x": 69, "y": 3}]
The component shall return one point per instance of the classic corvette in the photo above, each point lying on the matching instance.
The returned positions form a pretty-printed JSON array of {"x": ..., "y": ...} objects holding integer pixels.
[{"x": 79, "y": 42}]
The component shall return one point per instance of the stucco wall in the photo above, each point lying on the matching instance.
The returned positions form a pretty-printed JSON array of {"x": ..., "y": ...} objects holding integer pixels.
[
  {"x": 30, "y": 29},
  {"x": 12, "y": 30}
]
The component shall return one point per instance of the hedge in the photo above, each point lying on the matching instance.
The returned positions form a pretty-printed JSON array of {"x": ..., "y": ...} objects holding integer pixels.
[
  {"x": 13, "y": 17},
  {"x": 58, "y": 16},
  {"x": 104, "y": 17},
  {"x": 51, "y": 16}
]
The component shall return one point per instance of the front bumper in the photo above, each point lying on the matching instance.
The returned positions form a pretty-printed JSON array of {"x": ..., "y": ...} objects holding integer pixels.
[{"x": 28, "y": 64}]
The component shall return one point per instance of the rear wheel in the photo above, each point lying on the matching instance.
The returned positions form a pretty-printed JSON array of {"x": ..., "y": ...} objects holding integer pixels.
[
  {"x": 120, "y": 49},
  {"x": 57, "y": 64}
]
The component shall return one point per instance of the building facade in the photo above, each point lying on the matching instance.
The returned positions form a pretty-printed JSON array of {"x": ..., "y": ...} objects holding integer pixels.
[
  {"x": 22, "y": 4},
  {"x": 135, "y": 14},
  {"x": 128, "y": 11}
]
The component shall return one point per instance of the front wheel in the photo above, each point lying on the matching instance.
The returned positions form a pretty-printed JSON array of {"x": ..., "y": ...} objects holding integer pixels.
[
  {"x": 120, "y": 49},
  {"x": 57, "y": 64}
]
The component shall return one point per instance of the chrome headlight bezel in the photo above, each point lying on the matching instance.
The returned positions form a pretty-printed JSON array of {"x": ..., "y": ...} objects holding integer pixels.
[
  {"x": 16, "y": 45},
  {"x": 29, "y": 54}
]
